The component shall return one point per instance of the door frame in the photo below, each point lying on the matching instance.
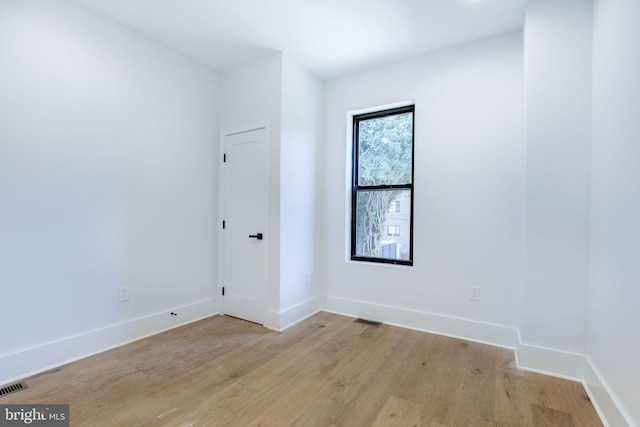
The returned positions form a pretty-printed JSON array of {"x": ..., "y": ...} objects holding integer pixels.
[{"x": 222, "y": 186}]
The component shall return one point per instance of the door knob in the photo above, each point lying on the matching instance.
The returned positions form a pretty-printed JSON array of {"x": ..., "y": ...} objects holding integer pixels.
[{"x": 256, "y": 236}]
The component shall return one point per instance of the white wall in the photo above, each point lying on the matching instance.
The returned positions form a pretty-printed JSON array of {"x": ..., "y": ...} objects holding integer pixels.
[
  {"x": 614, "y": 344},
  {"x": 252, "y": 94},
  {"x": 469, "y": 200},
  {"x": 299, "y": 188},
  {"x": 557, "y": 52},
  {"x": 107, "y": 148}
]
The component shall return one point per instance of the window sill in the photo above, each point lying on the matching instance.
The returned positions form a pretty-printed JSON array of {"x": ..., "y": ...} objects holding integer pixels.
[{"x": 379, "y": 264}]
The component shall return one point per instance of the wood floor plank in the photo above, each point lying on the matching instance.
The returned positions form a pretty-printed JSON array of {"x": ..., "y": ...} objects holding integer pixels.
[
  {"x": 575, "y": 401},
  {"x": 178, "y": 392},
  {"x": 440, "y": 388},
  {"x": 547, "y": 417},
  {"x": 324, "y": 367},
  {"x": 376, "y": 390},
  {"x": 318, "y": 414},
  {"x": 419, "y": 379},
  {"x": 476, "y": 402},
  {"x": 324, "y": 363},
  {"x": 326, "y": 371},
  {"x": 341, "y": 398},
  {"x": 512, "y": 404},
  {"x": 190, "y": 399},
  {"x": 258, "y": 389},
  {"x": 398, "y": 412}
]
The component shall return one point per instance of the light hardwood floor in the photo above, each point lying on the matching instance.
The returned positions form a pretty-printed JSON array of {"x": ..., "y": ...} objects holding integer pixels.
[{"x": 326, "y": 371}]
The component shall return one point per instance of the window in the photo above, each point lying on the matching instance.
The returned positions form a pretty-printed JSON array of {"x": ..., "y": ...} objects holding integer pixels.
[
  {"x": 389, "y": 251},
  {"x": 394, "y": 207},
  {"x": 382, "y": 181}
]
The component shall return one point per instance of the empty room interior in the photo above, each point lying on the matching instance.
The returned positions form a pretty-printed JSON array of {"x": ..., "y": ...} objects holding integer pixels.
[{"x": 340, "y": 213}]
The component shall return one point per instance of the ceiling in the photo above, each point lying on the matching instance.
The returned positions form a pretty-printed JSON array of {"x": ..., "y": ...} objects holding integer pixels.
[{"x": 328, "y": 37}]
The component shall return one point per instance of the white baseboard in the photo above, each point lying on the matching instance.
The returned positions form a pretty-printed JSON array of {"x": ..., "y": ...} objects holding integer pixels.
[
  {"x": 605, "y": 402},
  {"x": 575, "y": 367},
  {"x": 34, "y": 360},
  {"x": 281, "y": 320},
  {"x": 561, "y": 364},
  {"x": 485, "y": 333}
]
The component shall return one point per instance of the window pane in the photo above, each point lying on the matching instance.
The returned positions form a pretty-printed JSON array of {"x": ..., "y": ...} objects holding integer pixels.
[
  {"x": 373, "y": 221},
  {"x": 385, "y": 150}
]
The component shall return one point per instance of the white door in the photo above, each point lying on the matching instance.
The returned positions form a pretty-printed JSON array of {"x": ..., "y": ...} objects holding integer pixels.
[{"x": 246, "y": 234}]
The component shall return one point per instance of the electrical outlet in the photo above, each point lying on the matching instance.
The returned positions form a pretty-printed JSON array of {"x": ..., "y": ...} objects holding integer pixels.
[
  {"x": 123, "y": 293},
  {"x": 475, "y": 293}
]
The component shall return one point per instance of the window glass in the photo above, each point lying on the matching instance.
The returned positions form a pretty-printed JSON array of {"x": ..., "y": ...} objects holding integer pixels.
[
  {"x": 382, "y": 193},
  {"x": 385, "y": 150}
]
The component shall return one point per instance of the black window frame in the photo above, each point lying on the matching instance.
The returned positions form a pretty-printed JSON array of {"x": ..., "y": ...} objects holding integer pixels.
[{"x": 355, "y": 187}]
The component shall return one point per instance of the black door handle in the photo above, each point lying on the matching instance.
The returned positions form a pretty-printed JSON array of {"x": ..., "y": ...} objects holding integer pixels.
[{"x": 256, "y": 236}]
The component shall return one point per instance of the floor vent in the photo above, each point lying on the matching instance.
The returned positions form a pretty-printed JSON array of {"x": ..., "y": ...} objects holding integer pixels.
[
  {"x": 12, "y": 388},
  {"x": 368, "y": 322}
]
